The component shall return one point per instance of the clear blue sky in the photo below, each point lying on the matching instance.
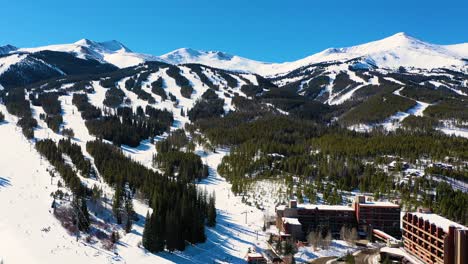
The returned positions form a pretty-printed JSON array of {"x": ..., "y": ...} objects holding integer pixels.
[{"x": 267, "y": 30}]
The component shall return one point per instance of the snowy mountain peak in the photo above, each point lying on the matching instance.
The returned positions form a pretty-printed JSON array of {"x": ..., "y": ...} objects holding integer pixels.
[
  {"x": 112, "y": 52},
  {"x": 400, "y": 49},
  {"x": 7, "y": 49},
  {"x": 114, "y": 45},
  {"x": 400, "y": 35},
  {"x": 399, "y": 40},
  {"x": 110, "y": 45},
  {"x": 84, "y": 42},
  {"x": 189, "y": 55},
  {"x": 391, "y": 52}
]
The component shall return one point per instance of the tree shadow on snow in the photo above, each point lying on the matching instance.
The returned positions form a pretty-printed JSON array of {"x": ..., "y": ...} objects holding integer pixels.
[
  {"x": 4, "y": 182},
  {"x": 222, "y": 240}
]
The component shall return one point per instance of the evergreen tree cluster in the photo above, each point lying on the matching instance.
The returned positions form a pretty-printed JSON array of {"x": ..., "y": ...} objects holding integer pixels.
[
  {"x": 419, "y": 123},
  {"x": 114, "y": 97},
  {"x": 51, "y": 105},
  {"x": 2, "y": 117},
  {"x": 197, "y": 68},
  {"x": 157, "y": 87},
  {"x": 17, "y": 104},
  {"x": 230, "y": 81},
  {"x": 209, "y": 105},
  {"x": 251, "y": 90},
  {"x": 186, "y": 88},
  {"x": 173, "y": 161},
  {"x": 134, "y": 84},
  {"x": 186, "y": 91},
  {"x": 451, "y": 204},
  {"x": 129, "y": 128},
  {"x": 381, "y": 107},
  {"x": 175, "y": 141},
  {"x": 179, "y": 220},
  {"x": 429, "y": 94},
  {"x": 117, "y": 169},
  {"x": 180, "y": 209},
  {"x": 53, "y": 154},
  {"x": 122, "y": 206},
  {"x": 88, "y": 111},
  {"x": 374, "y": 180},
  {"x": 76, "y": 155},
  {"x": 187, "y": 166},
  {"x": 400, "y": 143},
  {"x": 455, "y": 173},
  {"x": 449, "y": 109}
]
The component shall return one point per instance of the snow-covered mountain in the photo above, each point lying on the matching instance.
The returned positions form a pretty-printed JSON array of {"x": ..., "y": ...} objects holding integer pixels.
[
  {"x": 7, "y": 49},
  {"x": 333, "y": 77},
  {"x": 391, "y": 52},
  {"x": 359, "y": 87},
  {"x": 215, "y": 59},
  {"x": 397, "y": 50},
  {"x": 112, "y": 52}
]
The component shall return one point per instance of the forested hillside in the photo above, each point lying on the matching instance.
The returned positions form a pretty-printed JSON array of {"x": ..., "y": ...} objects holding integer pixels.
[{"x": 132, "y": 151}]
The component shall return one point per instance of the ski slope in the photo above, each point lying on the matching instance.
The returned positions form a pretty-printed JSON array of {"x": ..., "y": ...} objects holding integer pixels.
[{"x": 25, "y": 187}]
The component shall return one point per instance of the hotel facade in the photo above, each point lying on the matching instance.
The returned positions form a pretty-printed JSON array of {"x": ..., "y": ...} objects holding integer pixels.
[{"x": 435, "y": 239}]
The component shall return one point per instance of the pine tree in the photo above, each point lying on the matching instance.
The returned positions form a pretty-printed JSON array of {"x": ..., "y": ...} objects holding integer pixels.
[
  {"x": 129, "y": 213},
  {"x": 117, "y": 204},
  {"x": 157, "y": 232},
  {"x": 82, "y": 214},
  {"x": 171, "y": 232},
  {"x": 147, "y": 233},
  {"x": 128, "y": 225},
  {"x": 115, "y": 237},
  {"x": 211, "y": 212}
]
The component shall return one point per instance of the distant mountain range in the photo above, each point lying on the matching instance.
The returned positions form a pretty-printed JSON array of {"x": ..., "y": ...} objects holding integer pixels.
[
  {"x": 391, "y": 52},
  {"x": 376, "y": 83}
]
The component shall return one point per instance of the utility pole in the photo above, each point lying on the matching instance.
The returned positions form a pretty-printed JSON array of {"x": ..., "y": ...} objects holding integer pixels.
[{"x": 245, "y": 216}]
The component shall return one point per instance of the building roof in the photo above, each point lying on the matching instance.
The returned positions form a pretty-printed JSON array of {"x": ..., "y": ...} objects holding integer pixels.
[
  {"x": 319, "y": 207},
  {"x": 254, "y": 255},
  {"x": 403, "y": 253},
  {"x": 379, "y": 204},
  {"x": 385, "y": 235},
  {"x": 291, "y": 221},
  {"x": 440, "y": 221}
]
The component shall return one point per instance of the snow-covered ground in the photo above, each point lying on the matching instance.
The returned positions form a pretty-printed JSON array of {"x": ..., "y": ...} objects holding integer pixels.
[
  {"x": 338, "y": 248},
  {"x": 31, "y": 234},
  {"x": 460, "y": 132}
]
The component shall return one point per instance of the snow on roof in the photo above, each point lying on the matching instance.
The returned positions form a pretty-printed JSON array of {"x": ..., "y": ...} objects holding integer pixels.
[
  {"x": 394, "y": 163},
  {"x": 382, "y": 233},
  {"x": 326, "y": 207},
  {"x": 255, "y": 255},
  {"x": 319, "y": 207},
  {"x": 379, "y": 203},
  {"x": 291, "y": 221},
  {"x": 440, "y": 221},
  {"x": 403, "y": 253}
]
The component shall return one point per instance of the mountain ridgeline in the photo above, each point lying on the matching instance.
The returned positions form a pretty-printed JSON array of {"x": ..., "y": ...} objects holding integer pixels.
[{"x": 333, "y": 117}]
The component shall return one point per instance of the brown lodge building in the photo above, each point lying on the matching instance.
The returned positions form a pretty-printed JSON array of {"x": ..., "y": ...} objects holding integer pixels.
[
  {"x": 435, "y": 239},
  {"x": 298, "y": 220}
]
